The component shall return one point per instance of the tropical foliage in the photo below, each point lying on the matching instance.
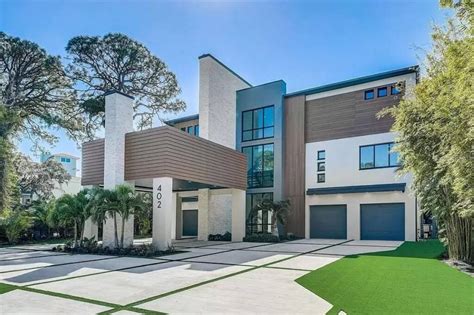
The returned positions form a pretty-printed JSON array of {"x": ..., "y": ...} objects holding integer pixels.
[
  {"x": 277, "y": 210},
  {"x": 15, "y": 224},
  {"x": 435, "y": 124}
]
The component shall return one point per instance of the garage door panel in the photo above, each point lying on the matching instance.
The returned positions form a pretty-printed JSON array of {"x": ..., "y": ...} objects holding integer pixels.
[
  {"x": 328, "y": 221},
  {"x": 382, "y": 221}
]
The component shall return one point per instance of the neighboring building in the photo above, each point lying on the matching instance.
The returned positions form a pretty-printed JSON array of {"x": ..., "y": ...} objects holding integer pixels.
[
  {"x": 69, "y": 162},
  {"x": 323, "y": 148}
]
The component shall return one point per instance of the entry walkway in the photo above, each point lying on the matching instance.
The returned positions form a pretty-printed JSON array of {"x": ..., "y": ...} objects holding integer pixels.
[{"x": 209, "y": 277}]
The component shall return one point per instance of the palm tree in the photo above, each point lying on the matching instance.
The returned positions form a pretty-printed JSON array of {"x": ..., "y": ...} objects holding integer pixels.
[
  {"x": 278, "y": 210},
  {"x": 122, "y": 201},
  {"x": 40, "y": 212},
  {"x": 75, "y": 210}
]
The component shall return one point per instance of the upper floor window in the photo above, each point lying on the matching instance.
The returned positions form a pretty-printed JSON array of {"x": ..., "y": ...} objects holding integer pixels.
[
  {"x": 321, "y": 166},
  {"x": 259, "y": 165},
  {"x": 258, "y": 123},
  {"x": 381, "y": 92},
  {"x": 378, "y": 156},
  {"x": 369, "y": 94},
  {"x": 192, "y": 130},
  {"x": 65, "y": 160},
  {"x": 394, "y": 90}
]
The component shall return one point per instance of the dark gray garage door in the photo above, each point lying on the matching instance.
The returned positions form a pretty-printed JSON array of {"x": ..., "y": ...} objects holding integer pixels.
[
  {"x": 328, "y": 221},
  {"x": 383, "y": 221},
  {"x": 190, "y": 222}
]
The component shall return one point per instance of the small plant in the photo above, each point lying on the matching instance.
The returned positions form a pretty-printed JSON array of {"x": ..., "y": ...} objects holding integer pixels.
[
  {"x": 278, "y": 211},
  {"x": 226, "y": 237}
]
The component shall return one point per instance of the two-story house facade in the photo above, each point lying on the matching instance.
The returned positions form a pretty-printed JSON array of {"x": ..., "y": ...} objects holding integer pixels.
[{"x": 323, "y": 148}]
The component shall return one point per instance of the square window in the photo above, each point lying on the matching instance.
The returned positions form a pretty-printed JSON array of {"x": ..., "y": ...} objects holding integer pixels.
[
  {"x": 369, "y": 94},
  {"x": 321, "y": 166},
  {"x": 381, "y": 92},
  {"x": 247, "y": 135},
  {"x": 321, "y": 155},
  {"x": 394, "y": 90},
  {"x": 321, "y": 178},
  {"x": 268, "y": 132}
]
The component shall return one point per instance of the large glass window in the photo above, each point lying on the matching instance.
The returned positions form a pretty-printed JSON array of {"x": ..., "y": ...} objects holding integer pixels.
[
  {"x": 258, "y": 123},
  {"x": 261, "y": 222},
  {"x": 378, "y": 156},
  {"x": 259, "y": 165}
]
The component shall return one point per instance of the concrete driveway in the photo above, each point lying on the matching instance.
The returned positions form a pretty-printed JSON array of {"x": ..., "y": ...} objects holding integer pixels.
[{"x": 209, "y": 277}]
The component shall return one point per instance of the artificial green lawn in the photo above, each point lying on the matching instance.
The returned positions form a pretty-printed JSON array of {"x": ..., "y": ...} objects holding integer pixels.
[{"x": 408, "y": 280}]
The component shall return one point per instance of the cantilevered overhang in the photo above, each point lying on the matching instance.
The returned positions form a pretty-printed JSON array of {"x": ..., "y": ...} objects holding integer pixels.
[
  {"x": 169, "y": 152},
  {"x": 357, "y": 189}
]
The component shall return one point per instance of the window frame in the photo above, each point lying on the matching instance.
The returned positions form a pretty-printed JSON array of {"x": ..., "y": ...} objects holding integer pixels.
[
  {"x": 318, "y": 179},
  {"x": 382, "y": 88},
  {"x": 321, "y": 158},
  {"x": 390, "y": 146},
  {"x": 369, "y": 91},
  {"x": 263, "y": 165},
  {"x": 321, "y": 163},
  {"x": 394, "y": 88},
  {"x": 253, "y": 129}
]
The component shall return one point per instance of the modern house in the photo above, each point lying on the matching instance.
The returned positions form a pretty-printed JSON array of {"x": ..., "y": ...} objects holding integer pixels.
[{"x": 322, "y": 148}]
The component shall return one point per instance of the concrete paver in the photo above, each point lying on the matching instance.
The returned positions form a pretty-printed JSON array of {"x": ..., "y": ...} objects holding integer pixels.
[
  {"x": 344, "y": 250},
  {"x": 19, "y": 264},
  {"x": 192, "y": 252},
  {"x": 307, "y": 262},
  {"x": 317, "y": 241},
  {"x": 27, "y": 254},
  {"x": 375, "y": 243},
  {"x": 22, "y": 302},
  {"x": 248, "y": 258},
  {"x": 260, "y": 291},
  {"x": 237, "y": 245},
  {"x": 28, "y": 277},
  {"x": 288, "y": 247},
  {"x": 128, "y": 286}
]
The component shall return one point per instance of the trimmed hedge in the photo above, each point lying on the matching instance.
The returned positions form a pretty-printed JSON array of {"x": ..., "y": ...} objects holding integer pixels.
[
  {"x": 262, "y": 237},
  {"x": 220, "y": 237}
]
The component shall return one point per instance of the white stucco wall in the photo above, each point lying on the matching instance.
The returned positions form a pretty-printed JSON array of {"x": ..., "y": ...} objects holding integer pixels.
[
  {"x": 220, "y": 212},
  {"x": 217, "y": 101},
  {"x": 342, "y": 169},
  {"x": 72, "y": 187},
  {"x": 342, "y": 163}
]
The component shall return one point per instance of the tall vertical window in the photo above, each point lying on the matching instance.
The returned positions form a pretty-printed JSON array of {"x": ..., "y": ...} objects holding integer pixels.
[
  {"x": 321, "y": 175},
  {"x": 259, "y": 165},
  {"x": 262, "y": 222},
  {"x": 192, "y": 130},
  {"x": 378, "y": 156},
  {"x": 258, "y": 123}
]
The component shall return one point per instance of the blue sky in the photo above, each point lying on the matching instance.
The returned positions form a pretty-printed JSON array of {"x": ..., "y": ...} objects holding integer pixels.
[{"x": 305, "y": 43}]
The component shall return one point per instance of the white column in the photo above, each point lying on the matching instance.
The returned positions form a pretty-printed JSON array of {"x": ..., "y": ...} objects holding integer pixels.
[
  {"x": 118, "y": 122},
  {"x": 238, "y": 215},
  {"x": 203, "y": 214},
  {"x": 91, "y": 230},
  {"x": 164, "y": 208}
]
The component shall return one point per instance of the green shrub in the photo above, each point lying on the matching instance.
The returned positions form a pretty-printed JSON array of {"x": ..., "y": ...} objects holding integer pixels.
[
  {"x": 227, "y": 237},
  {"x": 262, "y": 237},
  {"x": 15, "y": 224}
]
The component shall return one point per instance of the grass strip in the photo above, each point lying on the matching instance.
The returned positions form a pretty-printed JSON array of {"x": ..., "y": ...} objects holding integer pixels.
[{"x": 4, "y": 288}]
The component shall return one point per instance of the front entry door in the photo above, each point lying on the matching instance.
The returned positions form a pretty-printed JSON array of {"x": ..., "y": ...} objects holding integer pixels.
[{"x": 190, "y": 222}]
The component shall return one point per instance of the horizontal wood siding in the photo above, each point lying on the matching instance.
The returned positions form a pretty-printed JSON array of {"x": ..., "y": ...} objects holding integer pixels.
[
  {"x": 167, "y": 151},
  {"x": 93, "y": 162},
  {"x": 294, "y": 165},
  {"x": 347, "y": 115}
]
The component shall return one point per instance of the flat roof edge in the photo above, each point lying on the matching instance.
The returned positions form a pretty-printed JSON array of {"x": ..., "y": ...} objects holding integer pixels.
[{"x": 356, "y": 81}]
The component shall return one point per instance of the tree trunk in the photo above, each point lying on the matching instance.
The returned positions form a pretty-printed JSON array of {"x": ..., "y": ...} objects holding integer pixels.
[
  {"x": 121, "y": 236},
  {"x": 75, "y": 233},
  {"x": 115, "y": 231},
  {"x": 460, "y": 238}
]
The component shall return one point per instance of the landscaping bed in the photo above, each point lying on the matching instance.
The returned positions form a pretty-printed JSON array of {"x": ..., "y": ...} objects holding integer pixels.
[{"x": 408, "y": 280}]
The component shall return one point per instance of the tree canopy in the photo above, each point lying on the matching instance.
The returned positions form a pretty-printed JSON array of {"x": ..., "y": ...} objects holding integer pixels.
[
  {"x": 117, "y": 62},
  {"x": 435, "y": 126}
]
